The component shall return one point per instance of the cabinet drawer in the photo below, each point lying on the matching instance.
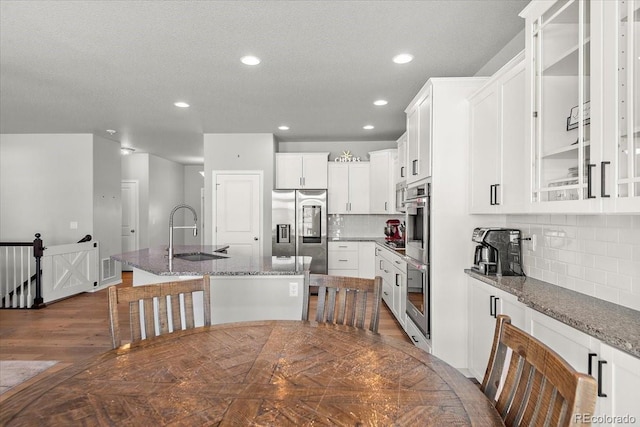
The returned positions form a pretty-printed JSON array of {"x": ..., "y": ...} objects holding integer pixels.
[
  {"x": 416, "y": 336},
  {"x": 343, "y": 246},
  {"x": 387, "y": 294},
  {"x": 343, "y": 260}
]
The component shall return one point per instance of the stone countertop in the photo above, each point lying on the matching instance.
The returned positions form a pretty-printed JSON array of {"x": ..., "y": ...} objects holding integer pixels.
[
  {"x": 610, "y": 323},
  {"x": 355, "y": 239},
  {"x": 155, "y": 261}
]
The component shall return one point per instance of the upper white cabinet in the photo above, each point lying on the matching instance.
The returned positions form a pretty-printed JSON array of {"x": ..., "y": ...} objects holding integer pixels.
[
  {"x": 401, "y": 169},
  {"x": 348, "y": 188},
  {"x": 497, "y": 138},
  {"x": 382, "y": 182},
  {"x": 581, "y": 91},
  {"x": 419, "y": 135},
  {"x": 301, "y": 170}
]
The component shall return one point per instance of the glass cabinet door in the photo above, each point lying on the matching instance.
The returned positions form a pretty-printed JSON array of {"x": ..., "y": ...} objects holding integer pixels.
[
  {"x": 628, "y": 97},
  {"x": 562, "y": 159}
]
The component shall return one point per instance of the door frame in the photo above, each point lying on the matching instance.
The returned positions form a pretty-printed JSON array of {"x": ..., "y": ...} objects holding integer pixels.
[
  {"x": 136, "y": 188},
  {"x": 214, "y": 198}
]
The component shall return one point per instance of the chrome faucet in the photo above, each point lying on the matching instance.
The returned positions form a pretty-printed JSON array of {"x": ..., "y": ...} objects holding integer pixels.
[{"x": 171, "y": 226}]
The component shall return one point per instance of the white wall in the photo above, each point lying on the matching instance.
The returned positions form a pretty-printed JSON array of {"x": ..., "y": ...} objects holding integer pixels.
[
  {"x": 511, "y": 49},
  {"x": 46, "y": 182},
  {"x": 166, "y": 186},
  {"x": 107, "y": 206},
  {"x": 193, "y": 182},
  {"x": 335, "y": 148},
  {"x": 241, "y": 151}
]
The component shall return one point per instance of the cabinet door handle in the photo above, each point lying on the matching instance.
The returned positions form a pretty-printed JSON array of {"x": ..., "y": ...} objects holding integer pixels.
[
  {"x": 600, "y": 363},
  {"x": 414, "y": 167},
  {"x": 397, "y": 280},
  {"x": 401, "y": 171},
  {"x": 381, "y": 265},
  {"x": 495, "y": 307},
  {"x": 589, "y": 179},
  {"x": 385, "y": 293},
  {"x": 300, "y": 181},
  {"x": 491, "y": 195},
  {"x": 603, "y": 179},
  {"x": 495, "y": 194},
  {"x": 413, "y": 337},
  {"x": 385, "y": 206},
  {"x": 491, "y": 306},
  {"x": 343, "y": 260},
  {"x": 589, "y": 367}
]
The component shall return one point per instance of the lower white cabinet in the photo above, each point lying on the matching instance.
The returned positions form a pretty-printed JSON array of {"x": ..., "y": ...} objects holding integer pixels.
[
  {"x": 416, "y": 336},
  {"x": 393, "y": 270},
  {"x": 351, "y": 259},
  {"x": 617, "y": 373},
  {"x": 485, "y": 304}
]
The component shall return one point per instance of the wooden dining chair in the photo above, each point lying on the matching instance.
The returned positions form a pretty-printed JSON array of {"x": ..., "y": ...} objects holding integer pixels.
[
  {"x": 345, "y": 300},
  {"x": 538, "y": 387},
  {"x": 172, "y": 314}
]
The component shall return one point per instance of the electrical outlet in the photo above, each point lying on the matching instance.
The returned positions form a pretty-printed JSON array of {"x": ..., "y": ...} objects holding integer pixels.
[
  {"x": 293, "y": 289},
  {"x": 73, "y": 225}
]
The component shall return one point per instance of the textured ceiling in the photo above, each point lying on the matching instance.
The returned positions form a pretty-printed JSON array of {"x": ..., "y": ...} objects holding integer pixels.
[{"x": 87, "y": 66}]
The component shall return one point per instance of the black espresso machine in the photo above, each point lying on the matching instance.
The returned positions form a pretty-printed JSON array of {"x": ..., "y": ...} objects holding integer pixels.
[{"x": 498, "y": 252}]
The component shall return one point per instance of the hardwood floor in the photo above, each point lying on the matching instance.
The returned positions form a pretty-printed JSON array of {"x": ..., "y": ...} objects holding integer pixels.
[{"x": 77, "y": 328}]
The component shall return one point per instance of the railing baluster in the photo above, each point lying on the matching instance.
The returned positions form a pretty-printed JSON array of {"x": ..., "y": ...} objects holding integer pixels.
[
  {"x": 14, "y": 300},
  {"x": 21, "y": 277},
  {"x": 29, "y": 286}
]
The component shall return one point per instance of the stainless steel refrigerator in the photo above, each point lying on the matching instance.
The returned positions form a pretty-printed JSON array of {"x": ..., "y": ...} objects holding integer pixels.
[{"x": 299, "y": 226}]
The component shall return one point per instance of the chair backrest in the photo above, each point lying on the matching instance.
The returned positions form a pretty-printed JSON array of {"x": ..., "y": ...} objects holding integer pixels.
[
  {"x": 170, "y": 314},
  {"x": 346, "y": 300},
  {"x": 538, "y": 387}
]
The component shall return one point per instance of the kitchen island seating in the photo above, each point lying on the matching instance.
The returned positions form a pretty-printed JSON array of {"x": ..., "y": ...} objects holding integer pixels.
[
  {"x": 540, "y": 388},
  {"x": 346, "y": 300},
  {"x": 173, "y": 314}
]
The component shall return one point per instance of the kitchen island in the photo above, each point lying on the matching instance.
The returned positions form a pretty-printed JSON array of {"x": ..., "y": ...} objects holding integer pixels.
[{"x": 243, "y": 288}]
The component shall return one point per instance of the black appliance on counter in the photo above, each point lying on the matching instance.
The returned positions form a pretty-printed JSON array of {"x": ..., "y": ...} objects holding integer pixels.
[{"x": 498, "y": 252}]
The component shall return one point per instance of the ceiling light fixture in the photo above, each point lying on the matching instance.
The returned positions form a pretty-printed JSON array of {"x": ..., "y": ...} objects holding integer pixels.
[
  {"x": 202, "y": 173},
  {"x": 367, "y": 127},
  {"x": 125, "y": 151},
  {"x": 283, "y": 127},
  {"x": 403, "y": 58},
  {"x": 250, "y": 60},
  {"x": 181, "y": 104},
  {"x": 111, "y": 131},
  {"x": 380, "y": 102}
]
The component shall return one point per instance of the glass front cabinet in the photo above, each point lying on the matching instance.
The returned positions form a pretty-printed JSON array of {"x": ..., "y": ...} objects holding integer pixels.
[{"x": 582, "y": 70}]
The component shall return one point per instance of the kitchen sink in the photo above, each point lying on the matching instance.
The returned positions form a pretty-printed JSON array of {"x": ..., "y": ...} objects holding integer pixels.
[{"x": 198, "y": 256}]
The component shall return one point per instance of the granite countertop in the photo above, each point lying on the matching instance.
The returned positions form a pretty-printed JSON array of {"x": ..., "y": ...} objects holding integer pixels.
[
  {"x": 155, "y": 261},
  {"x": 612, "y": 324},
  {"x": 355, "y": 239}
]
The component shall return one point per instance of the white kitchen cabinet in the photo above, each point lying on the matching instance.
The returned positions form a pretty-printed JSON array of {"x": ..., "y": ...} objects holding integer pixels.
[
  {"x": 485, "y": 304},
  {"x": 393, "y": 270},
  {"x": 497, "y": 142},
  {"x": 416, "y": 336},
  {"x": 582, "y": 89},
  {"x": 301, "y": 170},
  {"x": 351, "y": 259},
  {"x": 382, "y": 197},
  {"x": 419, "y": 135},
  {"x": 401, "y": 170},
  {"x": 449, "y": 139},
  {"x": 348, "y": 188},
  {"x": 617, "y": 373}
]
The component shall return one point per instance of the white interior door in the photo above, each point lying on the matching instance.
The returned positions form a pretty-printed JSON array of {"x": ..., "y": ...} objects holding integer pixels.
[
  {"x": 238, "y": 212},
  {"x": 129, "y": 216}
]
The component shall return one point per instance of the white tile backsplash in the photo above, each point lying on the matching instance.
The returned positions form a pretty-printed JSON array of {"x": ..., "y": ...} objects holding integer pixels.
[
  {"x": 358, "y": 225},
  {"x": 598, "y": 255}
]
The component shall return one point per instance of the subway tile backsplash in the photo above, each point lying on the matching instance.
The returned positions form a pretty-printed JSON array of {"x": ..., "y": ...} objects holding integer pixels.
[
  {"x": 598, "y": 255},
  {"x": 358, "y": 225}
]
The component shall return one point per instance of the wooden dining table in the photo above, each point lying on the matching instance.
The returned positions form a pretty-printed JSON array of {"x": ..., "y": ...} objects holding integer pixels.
[{"x": 266, "y": 373}]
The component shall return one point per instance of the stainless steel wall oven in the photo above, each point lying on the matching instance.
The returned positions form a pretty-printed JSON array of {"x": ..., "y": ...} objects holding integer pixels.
[{"x": 418, "y": 231}]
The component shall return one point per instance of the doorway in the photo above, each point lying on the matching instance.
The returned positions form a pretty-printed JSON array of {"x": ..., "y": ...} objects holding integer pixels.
[
  {"x": 130, "y": 217},
  {"x": 238, "y": 212}
]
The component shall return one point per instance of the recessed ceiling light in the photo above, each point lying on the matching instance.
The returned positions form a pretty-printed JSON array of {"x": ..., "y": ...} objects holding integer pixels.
[
  {"x": 403, "y": 58},
  {"x": 250, "y": 60},
  {"x": 125, "y": 151},
  {"x": 181, "y": 104},
  {"x": 367, "y": 127},
  {"x": 283, "y": 127},
  {"x": 380, "y": 102}
]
